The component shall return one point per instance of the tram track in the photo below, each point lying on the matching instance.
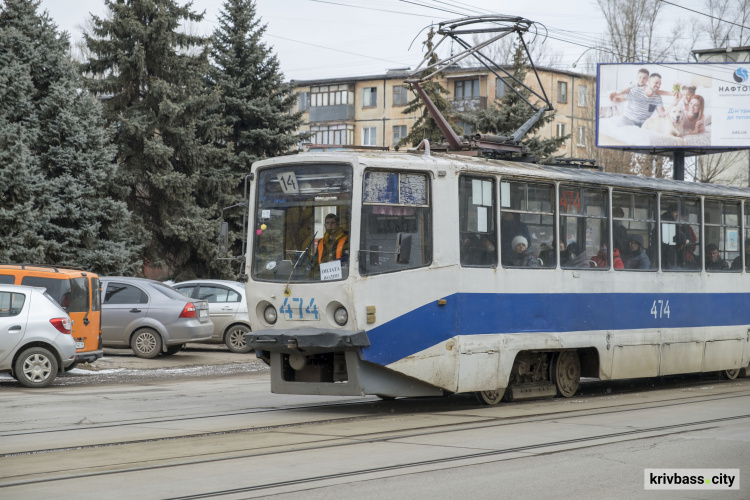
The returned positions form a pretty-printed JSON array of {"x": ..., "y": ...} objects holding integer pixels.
[
  {"x": 493, "y": 421},
  {"x": 397, "y": 435}
]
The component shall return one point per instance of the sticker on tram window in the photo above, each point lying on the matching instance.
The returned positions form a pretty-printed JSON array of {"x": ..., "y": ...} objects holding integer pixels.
[
  {"x": 660, "y": 309},
  {"x": 288, "y": 182},
  {"x": 298, "y": 309},
  {"x": 570, "y": 201}
]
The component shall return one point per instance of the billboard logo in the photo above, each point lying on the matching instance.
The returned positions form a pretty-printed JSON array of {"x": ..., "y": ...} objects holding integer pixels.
[{"x": 741, "y": 75}]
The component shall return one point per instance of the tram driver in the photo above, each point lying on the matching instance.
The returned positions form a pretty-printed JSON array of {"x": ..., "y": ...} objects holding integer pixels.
[{"x": 334, "y": 245}]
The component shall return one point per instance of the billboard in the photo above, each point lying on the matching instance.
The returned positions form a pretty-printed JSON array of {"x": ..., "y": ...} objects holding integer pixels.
[{"x": 673, "y": 105}]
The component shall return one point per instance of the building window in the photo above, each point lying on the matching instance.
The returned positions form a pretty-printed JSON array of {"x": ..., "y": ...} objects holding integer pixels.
[
  {"x": 329, "y": 95},
  {"x": 583, "y": 96},
  {"x": 332, "y": 134},
  {"x": 399, "y": 132},
  {"x": 369, "y": 97},
  {"x": 499, "y": 88},
  {"x": 560, "y": 130},
  {"x": 400, "y": 95},
  {"x": 369, "y": 136},
  {"x": 562, "y": 92},
  {"x": 467, "y": 89},
  {"x": 581, "y": 136},
  {"x": 466, "y": 127},
  {"x": 303, "y": 101}
]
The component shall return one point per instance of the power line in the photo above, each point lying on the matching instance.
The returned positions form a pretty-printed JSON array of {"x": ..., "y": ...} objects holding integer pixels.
[
  {"x": 707, "y": 15},
  {"x": 335, "y": 50},
  {"x": 367, "y": 8}
]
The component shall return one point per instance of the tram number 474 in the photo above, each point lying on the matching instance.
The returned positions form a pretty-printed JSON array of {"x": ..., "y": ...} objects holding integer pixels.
[
  {"x": 660, "y": 309},
  {"x": 296, "y": 309}
]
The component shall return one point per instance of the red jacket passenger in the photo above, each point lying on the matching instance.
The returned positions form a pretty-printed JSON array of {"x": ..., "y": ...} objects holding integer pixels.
[{"x": 601, "y": 259}]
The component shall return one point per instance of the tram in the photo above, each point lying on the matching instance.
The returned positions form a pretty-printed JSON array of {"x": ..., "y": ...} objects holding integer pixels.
[{"x": 620, "y": 276}]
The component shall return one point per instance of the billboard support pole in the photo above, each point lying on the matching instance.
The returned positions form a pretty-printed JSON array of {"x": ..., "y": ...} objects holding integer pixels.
[{"x": 678, "y": 159}]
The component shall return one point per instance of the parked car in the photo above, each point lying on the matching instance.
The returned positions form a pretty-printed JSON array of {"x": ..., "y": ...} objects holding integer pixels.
[
  {"x": 36, "y": 340},
  {"x": 227, "y": 308},
  {"x": 150, "y": 317}
]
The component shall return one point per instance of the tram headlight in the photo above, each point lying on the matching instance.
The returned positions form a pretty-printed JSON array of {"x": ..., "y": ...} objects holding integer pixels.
[
  {"x": 340, "y": 316},
  {"x": 269, "y": 314}
]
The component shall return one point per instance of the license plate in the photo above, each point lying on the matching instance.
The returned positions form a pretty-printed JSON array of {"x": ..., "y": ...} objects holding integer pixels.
[
  {"x": 202, "y": 313},
  {"x": 80, "y": 344}
]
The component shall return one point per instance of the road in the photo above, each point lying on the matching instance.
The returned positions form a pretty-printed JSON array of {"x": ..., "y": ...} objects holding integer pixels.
[{"x": 178, "y": 432}]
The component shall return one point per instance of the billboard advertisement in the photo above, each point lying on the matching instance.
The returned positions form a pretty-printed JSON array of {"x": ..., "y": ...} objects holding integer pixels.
[{"x": 673, "y": 105}]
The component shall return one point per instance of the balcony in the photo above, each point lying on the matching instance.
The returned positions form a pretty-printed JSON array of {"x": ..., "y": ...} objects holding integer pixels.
[
  {"x": 340, "y": 112},
  {"x": 469, "y": 104}
]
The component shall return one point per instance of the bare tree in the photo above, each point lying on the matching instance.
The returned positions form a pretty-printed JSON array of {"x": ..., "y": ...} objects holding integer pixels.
[
  {"x": 722, "y": 168},
  {"x": 501, "y": 52},
  {"x": 715, "y": 27},
  {"x": 636, "y": 31}
]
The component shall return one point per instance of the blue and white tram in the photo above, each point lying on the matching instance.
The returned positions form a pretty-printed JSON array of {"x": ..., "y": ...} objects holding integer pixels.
[{"x": 432, "y": 291}]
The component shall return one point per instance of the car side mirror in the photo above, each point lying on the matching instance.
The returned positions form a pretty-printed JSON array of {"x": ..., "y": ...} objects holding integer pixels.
[{"x": 403, "y": 248}]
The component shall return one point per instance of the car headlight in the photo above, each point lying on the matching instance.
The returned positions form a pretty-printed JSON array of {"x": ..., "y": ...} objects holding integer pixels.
[
  {"x": 340, "y": 316},
  {"x": 269, "y": 314}
]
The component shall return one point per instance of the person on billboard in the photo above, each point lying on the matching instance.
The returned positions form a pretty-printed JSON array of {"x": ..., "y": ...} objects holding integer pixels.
[
  {"x": 694, "y": 118},
  {"x": 642, "y": 102},
  {"x": 684, "y": 95},
  {"x": 640, "y": 81}
]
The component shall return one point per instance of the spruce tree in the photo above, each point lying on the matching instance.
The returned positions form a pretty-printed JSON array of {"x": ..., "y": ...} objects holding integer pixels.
[
  {"x": 425, "y": 127},
  {"x": 507, "y": 114},
  {"x": 56, "y": 163},
  {"x": 151, "y": 75},
  {"x": 256, "y": 103}
]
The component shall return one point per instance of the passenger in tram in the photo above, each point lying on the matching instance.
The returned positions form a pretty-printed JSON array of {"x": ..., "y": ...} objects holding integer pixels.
[
  {"x": 523, "y": 255},
  {"x": 510, "y": 226},
  {"x": 713, "y": 261},
  {"x": 577, "y": 257},
  {"x": 737, "y": 262},
  {"x": 334, "y": 245},
  {"x": 601, "y": 258},
  {"x": 636, "y": 257},
  {"x": 477, "y": 250},
  {"x": 547, "y": 256},
  {"x": 619, "y": 231},
  {"x": 680, "y": 254}
]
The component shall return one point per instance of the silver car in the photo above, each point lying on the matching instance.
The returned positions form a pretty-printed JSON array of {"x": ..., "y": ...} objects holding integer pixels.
[
  {"x": 35, "y": 336},
  {"x": 227, "y": 307},
  {"x": 150, "y": 317}
]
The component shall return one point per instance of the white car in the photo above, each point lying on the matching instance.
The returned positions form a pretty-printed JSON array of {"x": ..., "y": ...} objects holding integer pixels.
[
  {"x": 227, "y": 308},
  {"x": 35, "y": 336}
]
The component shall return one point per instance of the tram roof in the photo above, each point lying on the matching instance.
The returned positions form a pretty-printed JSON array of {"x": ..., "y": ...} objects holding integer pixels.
[{"x": 448, "y": 161}]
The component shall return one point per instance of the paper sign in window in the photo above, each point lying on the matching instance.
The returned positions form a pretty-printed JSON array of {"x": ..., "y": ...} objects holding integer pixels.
[{"x": 330, "y": 270}]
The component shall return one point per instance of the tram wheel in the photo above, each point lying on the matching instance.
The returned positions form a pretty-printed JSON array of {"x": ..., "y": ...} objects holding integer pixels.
[
  {"x": 490, "y": 397},
  {"x": 730, "y": 374},
  {"x": 566, "y": 373}
]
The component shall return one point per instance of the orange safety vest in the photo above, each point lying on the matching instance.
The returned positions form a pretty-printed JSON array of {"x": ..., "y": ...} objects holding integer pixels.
[{"x": 339, "y": 248}]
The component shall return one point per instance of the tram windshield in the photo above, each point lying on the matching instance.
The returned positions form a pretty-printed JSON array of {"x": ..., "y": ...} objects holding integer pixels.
[{"x": 302, "y": 221}]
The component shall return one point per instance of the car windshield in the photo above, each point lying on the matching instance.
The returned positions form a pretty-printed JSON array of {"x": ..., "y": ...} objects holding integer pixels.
[
  {"x": 302, "y": 221},
  {"x": 169, "y": 291}
]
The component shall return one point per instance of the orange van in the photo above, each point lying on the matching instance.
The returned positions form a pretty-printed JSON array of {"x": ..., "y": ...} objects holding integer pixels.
[{"x": 77, "y": 291}]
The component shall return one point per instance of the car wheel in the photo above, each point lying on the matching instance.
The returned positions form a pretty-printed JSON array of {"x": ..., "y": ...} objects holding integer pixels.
[
  {"x": 146, "y": 344},
  {"x": 36, "y": 367},
  {"x": 173, "y": 349},
  {"x": 235, "y": 339}
]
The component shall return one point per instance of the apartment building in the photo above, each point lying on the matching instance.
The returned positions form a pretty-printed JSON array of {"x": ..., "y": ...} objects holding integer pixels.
[{"x": 368, "y": 110}]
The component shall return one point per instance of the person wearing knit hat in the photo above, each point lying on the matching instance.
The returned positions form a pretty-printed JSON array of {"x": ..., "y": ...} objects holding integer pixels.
[{"x": 523, "y": 255}]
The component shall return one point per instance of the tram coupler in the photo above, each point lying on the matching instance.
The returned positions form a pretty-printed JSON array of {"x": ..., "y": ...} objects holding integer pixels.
[{"x": 307, "y": 340}]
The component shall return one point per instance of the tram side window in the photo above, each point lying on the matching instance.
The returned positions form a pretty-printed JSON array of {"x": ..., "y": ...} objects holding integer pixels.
[
  {"x": 527, "y": 217},
  {"x": 634, "y": 234},
  {"x": 583, "y": 221},
  {"x": 396, "y": 231},
  {"x": 722, "y": 236},
  {"x": 680, "y": 231},
  {"x": 746, "y": 243},
  {"x": 477, "y": 227}
]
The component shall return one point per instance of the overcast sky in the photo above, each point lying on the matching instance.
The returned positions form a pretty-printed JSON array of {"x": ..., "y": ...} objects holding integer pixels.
[{"x": 336, "y": 38}]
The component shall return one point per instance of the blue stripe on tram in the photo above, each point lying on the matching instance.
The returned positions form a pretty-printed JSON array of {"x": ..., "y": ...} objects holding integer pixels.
[{"x": 484, "y": 313}]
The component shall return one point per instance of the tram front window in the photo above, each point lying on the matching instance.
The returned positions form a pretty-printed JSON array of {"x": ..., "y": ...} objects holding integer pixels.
[
  {"x": 396, "y": 230},
  {"x": 302, "y": 221}
]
